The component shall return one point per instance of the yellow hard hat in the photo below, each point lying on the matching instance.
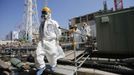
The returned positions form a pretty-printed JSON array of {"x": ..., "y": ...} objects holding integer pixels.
[
  {"x": 74, "y": 26},
  {"x": 46, "y": 9}
]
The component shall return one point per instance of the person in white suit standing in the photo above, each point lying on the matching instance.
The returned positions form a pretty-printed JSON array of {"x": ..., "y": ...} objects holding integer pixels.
[
  {"x": 77, "y": 36},
  {"x": 48, "y": 46},
  {"x": 85, "y": 30}
]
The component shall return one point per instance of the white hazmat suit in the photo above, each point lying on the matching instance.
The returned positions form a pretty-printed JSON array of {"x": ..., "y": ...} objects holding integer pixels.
[
  {"x": 85, "y": 30},
  {"x": 77, "y": 37},
  {"x": 49, "y": 45}
]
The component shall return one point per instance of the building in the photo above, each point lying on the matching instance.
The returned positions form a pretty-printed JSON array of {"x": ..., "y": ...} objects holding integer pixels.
[{"x": 13, "y": 35}]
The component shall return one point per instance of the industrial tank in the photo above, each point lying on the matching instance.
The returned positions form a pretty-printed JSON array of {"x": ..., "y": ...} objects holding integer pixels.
[{"x": 115, "y": 33}]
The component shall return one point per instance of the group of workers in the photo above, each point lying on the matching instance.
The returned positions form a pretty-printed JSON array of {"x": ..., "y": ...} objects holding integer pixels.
[
  {"x": 81, "y": 34},
  {"x": 49, "y": 34}
]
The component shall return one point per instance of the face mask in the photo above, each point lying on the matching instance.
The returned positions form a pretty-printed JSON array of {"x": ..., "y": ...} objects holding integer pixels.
[{"x": 44, "y": 14}]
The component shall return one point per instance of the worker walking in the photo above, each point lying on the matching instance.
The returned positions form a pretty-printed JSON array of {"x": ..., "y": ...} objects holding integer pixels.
[{"x": 48, "y": 45}]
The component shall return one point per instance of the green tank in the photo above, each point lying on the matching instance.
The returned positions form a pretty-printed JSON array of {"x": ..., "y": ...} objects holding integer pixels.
[{"x": 115, "y": 33}]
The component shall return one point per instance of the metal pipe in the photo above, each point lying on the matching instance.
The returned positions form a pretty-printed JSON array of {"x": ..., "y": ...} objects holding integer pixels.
[
  {"x": 80, "y": 57},
  {"x": 74, "y": 47},
  {"x": 69, "y": 53},
  {"x": 83, "y": 61}
]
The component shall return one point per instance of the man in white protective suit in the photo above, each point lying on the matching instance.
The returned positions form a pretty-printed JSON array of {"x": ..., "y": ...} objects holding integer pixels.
[
  {"x": 48, "y": 45},
  {"x": 77, "y": 36},
  {"x": 85, "y": 30}
]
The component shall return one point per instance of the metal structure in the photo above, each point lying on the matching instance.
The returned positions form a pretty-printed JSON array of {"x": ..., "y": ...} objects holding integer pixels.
[
  {"x": 105, "y": 5},
  {"x": 29, "y": 27},
  {"x": 77, "y": 60},
  {"x": 118, "y": 4}
]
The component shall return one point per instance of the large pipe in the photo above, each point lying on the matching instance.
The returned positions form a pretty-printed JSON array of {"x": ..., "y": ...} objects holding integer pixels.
[{"x": 104, "y": 67}]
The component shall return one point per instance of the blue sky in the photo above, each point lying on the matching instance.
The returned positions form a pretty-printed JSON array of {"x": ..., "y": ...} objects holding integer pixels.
[{"x": 11, "y": 11}]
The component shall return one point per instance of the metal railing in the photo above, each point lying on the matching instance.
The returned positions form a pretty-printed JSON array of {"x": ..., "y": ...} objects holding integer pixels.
[{"x": 74, "y": 44}]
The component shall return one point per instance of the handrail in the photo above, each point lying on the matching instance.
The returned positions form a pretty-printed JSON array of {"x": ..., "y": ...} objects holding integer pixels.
[{"x": 74, "y": 43}]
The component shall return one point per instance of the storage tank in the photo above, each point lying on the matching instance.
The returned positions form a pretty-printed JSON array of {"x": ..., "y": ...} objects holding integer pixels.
[{"x": 115, "y": 33}]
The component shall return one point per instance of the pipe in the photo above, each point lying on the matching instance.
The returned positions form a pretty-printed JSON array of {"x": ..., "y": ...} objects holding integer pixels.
[
  {"x": 83, "y": 61},
  {"x": 104, "y": 67}
]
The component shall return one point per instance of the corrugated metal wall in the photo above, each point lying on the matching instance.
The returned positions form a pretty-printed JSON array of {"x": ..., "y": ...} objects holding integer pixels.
[{"x": 115, "y": 32}]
